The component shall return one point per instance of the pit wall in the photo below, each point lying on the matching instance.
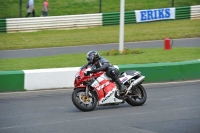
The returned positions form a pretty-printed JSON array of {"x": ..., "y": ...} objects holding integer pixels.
[{"x": 40, "y": 79}]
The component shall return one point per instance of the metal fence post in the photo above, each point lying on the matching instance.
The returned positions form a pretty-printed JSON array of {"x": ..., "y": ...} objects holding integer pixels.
[
  {"x": 100, "y": 5},
  {"x": 172, "y": 3},
  {"x": 20, "y": 6}
]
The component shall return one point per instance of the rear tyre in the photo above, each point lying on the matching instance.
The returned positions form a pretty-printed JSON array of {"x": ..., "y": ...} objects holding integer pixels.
[
  {"x": 82, "y": 102},
  {"x": 139, "y": 96}
]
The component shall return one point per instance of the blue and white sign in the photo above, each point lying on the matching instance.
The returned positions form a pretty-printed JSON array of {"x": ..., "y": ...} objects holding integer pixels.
[{"x": 154, "y": 14}]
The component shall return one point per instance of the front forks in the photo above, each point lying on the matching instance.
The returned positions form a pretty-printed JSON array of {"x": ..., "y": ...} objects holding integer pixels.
[{"x": 87, "y": 91}]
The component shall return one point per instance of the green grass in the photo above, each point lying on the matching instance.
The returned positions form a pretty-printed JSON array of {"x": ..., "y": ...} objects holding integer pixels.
[
  {"x": 100, "y": 35},
  {"x": 149, "y": 55},
  {"x": 11, "y": 8}
]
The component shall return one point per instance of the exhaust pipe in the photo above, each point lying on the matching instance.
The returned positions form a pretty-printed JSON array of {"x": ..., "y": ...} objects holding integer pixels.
[{"x": 134, "y": 83}]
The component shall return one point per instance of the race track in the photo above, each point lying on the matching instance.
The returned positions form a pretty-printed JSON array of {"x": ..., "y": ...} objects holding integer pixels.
[
  {"x": 170, "y": 108},
  {"x": 25, "y": 53}
]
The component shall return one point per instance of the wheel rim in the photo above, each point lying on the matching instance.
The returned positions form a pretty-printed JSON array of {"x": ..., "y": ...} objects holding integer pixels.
[
  {"x": 138, "y": 94},
  {"x": 84, "y": 100}
]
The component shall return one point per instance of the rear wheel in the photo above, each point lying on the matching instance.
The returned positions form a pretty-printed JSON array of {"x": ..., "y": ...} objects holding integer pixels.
[
  {"x": 82, "y": 102},
  {"x": 137, "y": 97}
]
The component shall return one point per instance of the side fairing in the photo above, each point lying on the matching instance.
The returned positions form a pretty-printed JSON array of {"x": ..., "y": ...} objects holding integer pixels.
[
  {"x": 102, "y": 87},
  {"x": 125, "y": 78},
  {"x": 110, "y": 98},
  {"x": 106, "y": 90}
]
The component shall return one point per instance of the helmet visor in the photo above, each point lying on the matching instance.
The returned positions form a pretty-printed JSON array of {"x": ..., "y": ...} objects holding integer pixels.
[{"x": 90, "y": 58}]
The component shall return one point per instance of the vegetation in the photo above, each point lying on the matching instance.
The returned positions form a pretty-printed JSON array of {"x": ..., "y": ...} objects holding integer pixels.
[
  {"x": 11, "y": 8},
  {"x": 126, "y": 51},
  {"x": 148, "y": 55},
  {"x": 98, "y": 35},
  {"x": 101, "y": 35}
]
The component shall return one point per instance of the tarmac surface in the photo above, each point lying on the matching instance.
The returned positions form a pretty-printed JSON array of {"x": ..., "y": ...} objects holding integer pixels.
[
  {"x": 188, "y": 42},
  {"x": 170, "y": 108}
]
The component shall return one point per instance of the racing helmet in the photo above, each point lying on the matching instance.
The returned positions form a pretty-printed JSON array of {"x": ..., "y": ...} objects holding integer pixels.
[{"x": 92, "y": 56}]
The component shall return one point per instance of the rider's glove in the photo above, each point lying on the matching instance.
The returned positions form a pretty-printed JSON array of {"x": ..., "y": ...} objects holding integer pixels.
[
  {"x": 87, "y": 73},
  {"x": 94, "y": 71}
]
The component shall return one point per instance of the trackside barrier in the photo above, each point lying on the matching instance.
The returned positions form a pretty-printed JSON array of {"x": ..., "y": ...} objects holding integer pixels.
[
  {"x": 49, "y": 78},
  {"x": 183, "y": 12},
  {"x": 83, "y": 21},
  {"x": 2, "y": 25},
  {"x": 195, "y": 12},
  {"x": 54, "y": 22},
  {"x": 39, "y": 79},
  {"x": 162, "y": 72},
  {"x": 11, "y": 81},
  {"x": 113, "y": 18}
]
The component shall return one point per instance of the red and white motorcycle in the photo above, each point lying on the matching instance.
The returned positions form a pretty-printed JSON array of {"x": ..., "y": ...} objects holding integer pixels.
[{"x": 98, "y": 88}]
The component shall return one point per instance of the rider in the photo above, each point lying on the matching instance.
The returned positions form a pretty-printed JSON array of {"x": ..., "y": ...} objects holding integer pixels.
[{"x": 100, "y": 64}]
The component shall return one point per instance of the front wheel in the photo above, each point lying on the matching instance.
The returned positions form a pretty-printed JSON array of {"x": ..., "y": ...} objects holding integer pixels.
[
  {"x": 82, "y": 102},
  {"x": 138, "y": 96}
]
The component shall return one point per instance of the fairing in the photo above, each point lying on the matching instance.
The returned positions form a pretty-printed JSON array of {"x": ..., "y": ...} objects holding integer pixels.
[{"x": 102, "y": 84}]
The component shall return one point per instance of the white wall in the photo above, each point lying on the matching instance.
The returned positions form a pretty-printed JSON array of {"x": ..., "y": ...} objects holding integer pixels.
[
  {"x": 38, "y": 79},
  {"x": 49, "y": 78}
]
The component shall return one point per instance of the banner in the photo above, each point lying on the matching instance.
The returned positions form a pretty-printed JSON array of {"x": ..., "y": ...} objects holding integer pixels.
[{"x": 154, "y": 14}]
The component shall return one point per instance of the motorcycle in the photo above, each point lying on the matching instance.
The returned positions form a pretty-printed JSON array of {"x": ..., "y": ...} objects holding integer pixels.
[{"x": 92, "y": 89}]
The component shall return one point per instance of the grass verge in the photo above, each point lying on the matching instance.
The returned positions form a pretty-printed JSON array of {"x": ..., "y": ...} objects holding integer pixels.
[
  {"x": 101, "y": 35},
  {"x": 149, "y": 55}
]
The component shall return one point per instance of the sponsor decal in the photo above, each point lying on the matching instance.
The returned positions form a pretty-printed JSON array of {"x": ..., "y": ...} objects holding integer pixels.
[
  {"x": 154, "y": 14},
  {"x": 108, "y": 96},
  {"x": 123, "y": 80},
  {"x": 102, "y": 86}
]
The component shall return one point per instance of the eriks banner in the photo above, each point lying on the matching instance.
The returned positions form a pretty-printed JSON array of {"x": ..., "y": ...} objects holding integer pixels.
[{"x": 154, "y": 14}]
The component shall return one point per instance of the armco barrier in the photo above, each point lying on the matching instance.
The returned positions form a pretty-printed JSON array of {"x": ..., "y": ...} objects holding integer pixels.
[
  {"x": 161, "y": 72},
  {"x": 195, "y": 12},
  {"x": 114, "y": 18},
  {"x": 64, "y": 77},
  {"x": 2, "y": 25},
  {"x": 54, "y": 22},
  {"x": 183, "y": 12}
]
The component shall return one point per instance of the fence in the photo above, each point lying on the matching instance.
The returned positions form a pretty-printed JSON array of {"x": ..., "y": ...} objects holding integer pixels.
[{"x": 83, "y": 21}]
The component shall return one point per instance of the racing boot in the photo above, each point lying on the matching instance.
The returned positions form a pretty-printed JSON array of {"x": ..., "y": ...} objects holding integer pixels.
[{"x": 122, "y": 87}]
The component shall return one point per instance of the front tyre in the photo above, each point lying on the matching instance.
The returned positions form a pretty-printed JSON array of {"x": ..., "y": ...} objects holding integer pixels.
[
  {"x": 82, "y": 102},
  {"x": 138, "y": 96}
]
